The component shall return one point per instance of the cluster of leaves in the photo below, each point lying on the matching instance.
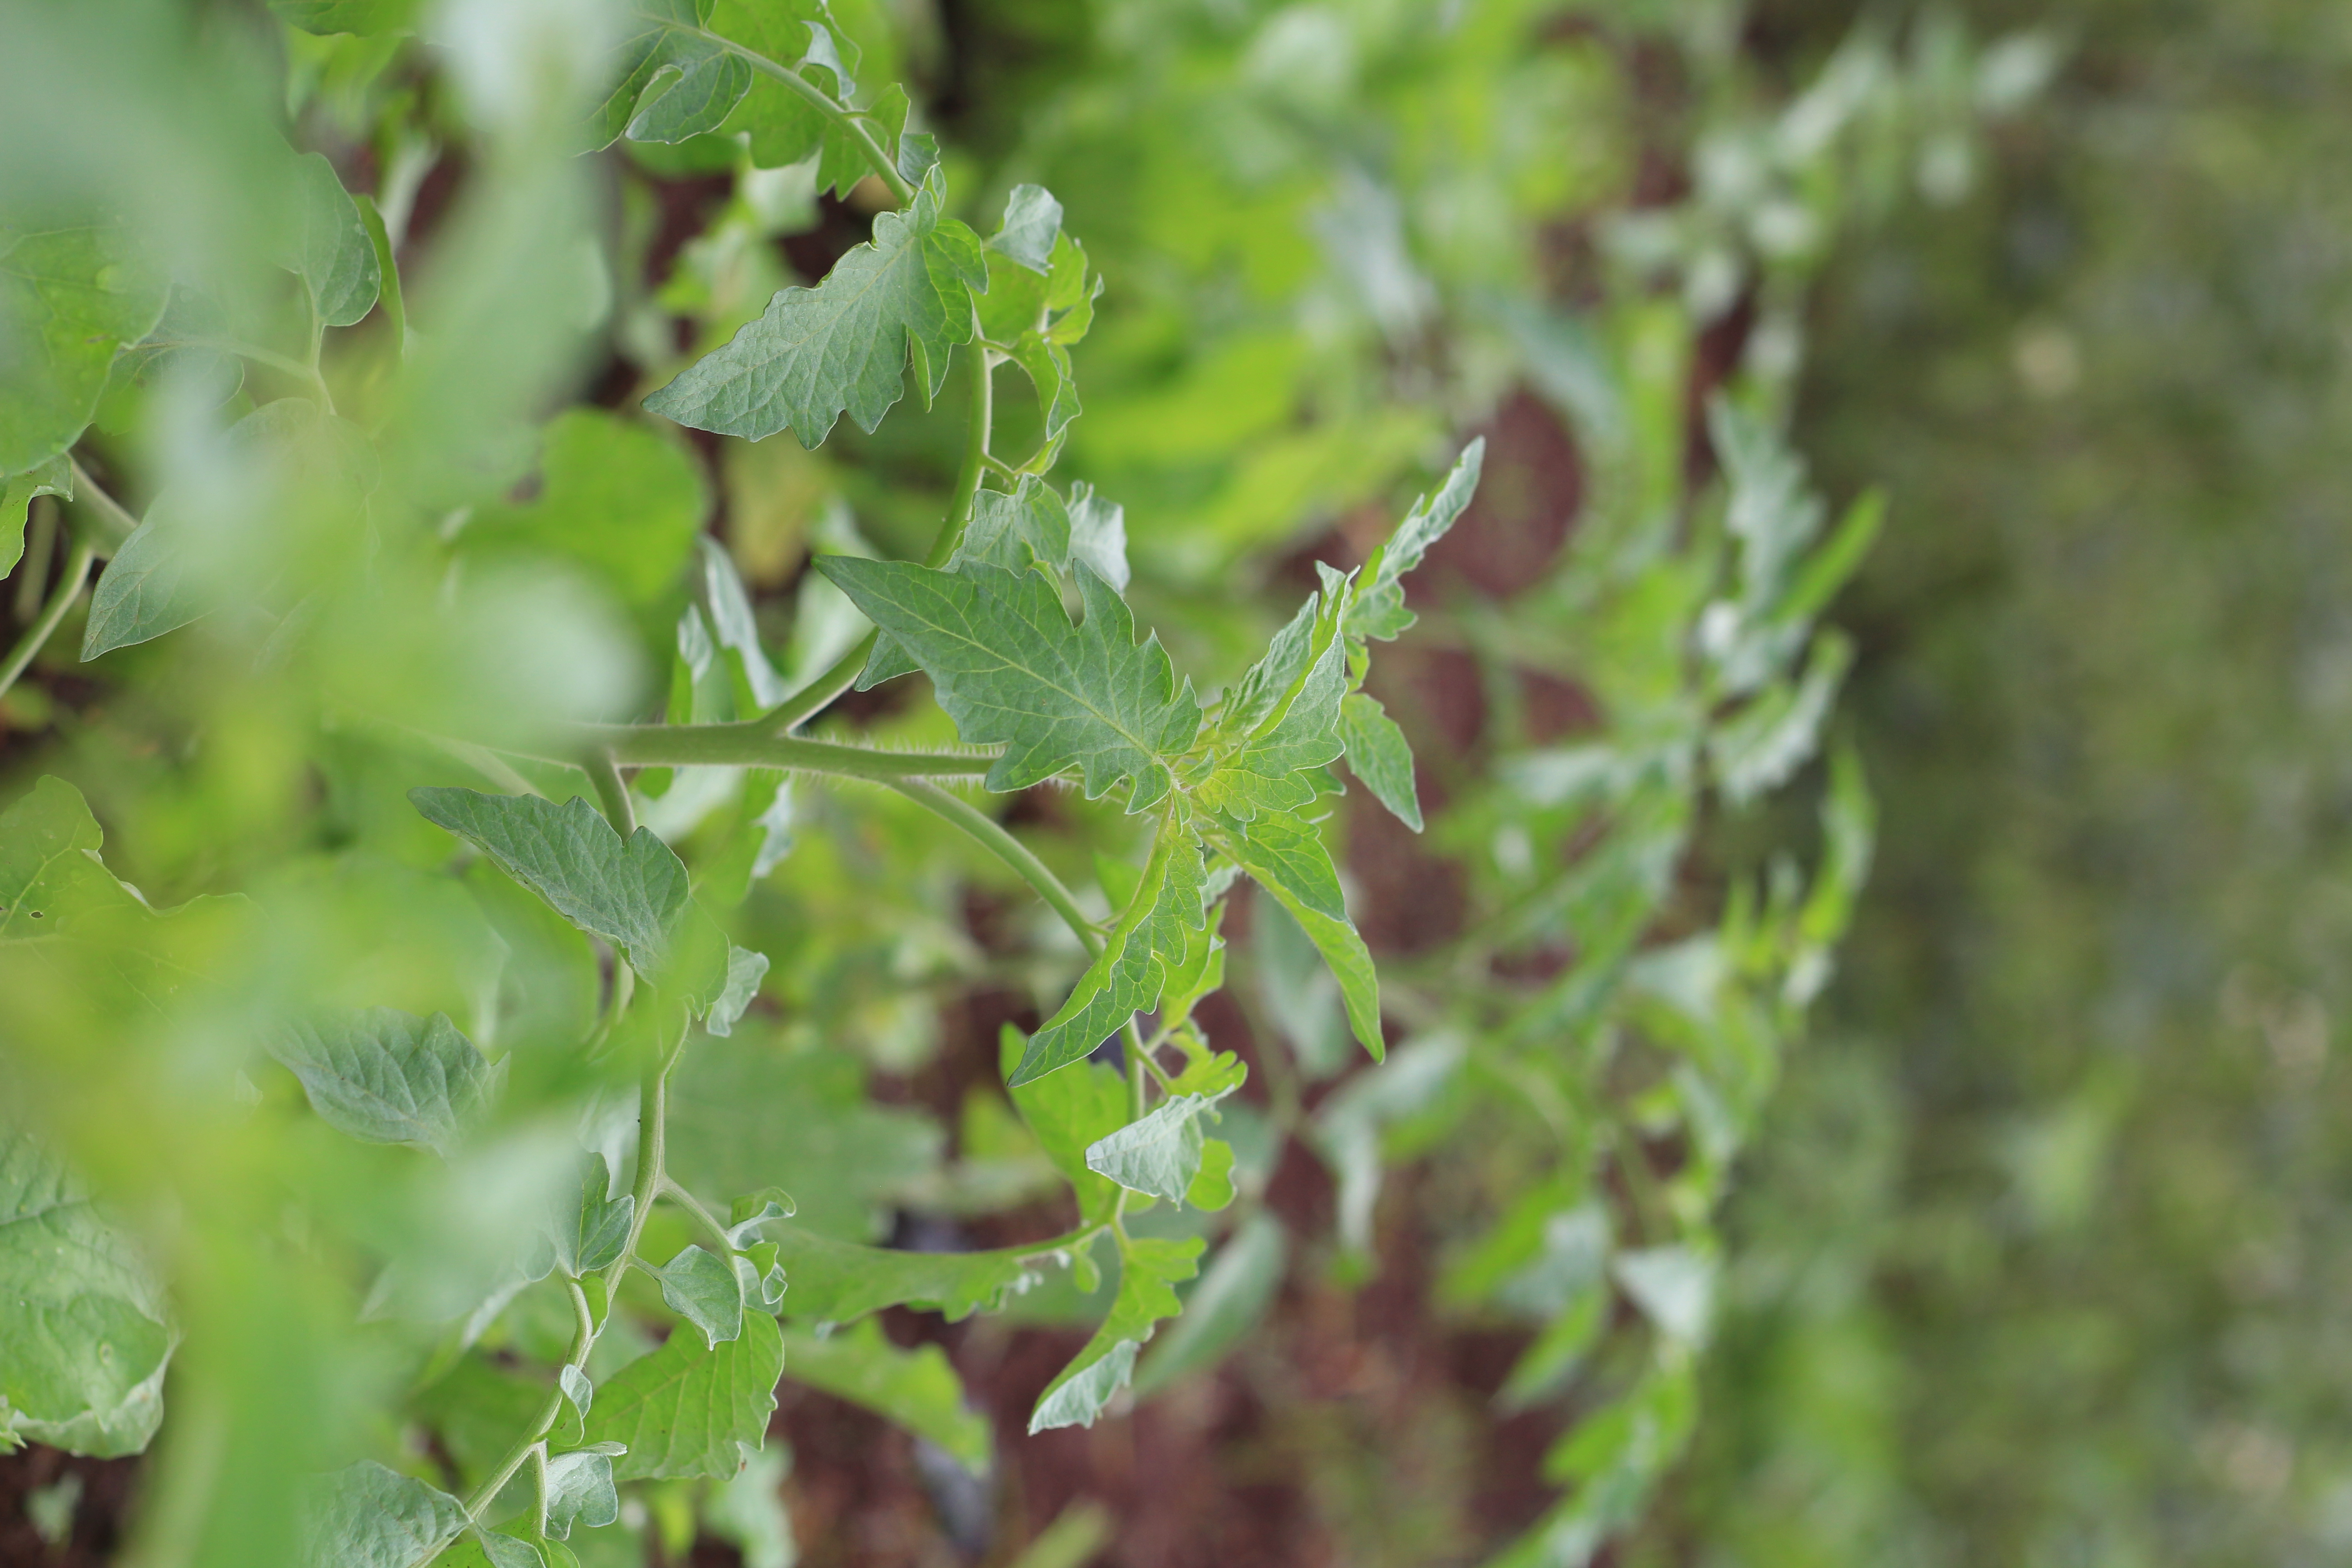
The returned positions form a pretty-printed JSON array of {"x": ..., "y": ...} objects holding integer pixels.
[{"x": 489, "y": 811}]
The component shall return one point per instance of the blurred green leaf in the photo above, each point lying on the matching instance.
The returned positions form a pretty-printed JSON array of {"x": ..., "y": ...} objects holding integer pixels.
[
  {"x": 69, "y": 297},
  {"x": 916, "y": 1389},
  {"x": 388, "y": 1077}
]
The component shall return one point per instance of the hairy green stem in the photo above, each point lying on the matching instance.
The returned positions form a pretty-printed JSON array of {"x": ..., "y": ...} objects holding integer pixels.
[
  {"x": 612, "y": 792},
  {"x": 61, "y": 599},
  {"x": 118, "y": 522},
  {"x": 824, "y": 103},
  {"x": 755, "y": 743},
  {"x": 1010, "y": 850},
  {"x": 704, "y": 1220}
]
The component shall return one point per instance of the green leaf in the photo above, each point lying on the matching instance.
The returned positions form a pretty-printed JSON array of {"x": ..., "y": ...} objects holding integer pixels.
[
  {"x": 589, "y": 1234},
  {"x": 632, "y": 894},
  {"x": 334, "y": 255},
  {"x": 1030, "y": 526},
  {"x": 69, "y": 297},
  {"x": 83, "y": 1342},
  {"x": 50, "y": 876},
  {"x": 834, "y": 1281},
  {"x": 614, "y": 495},
  {"x": 1069, "y": 1111},
  {"x": 1149, "y": 1270},
  {"x": 690, "y": 1409},
  {"x": 1379, "y": 609},
  {"x": 579, "y": 1394},
  {"x": 1378, "y": 754},
  {"x": 1233, "y": 1295},
  {"x": 1212, "y": 1187},
  {"x": 1286, "y": 855},
  {"x": 1032, "y": 222},
  {"x": 1270, "y": 769},
  {"x": 1131, "y": 973},
  {"x": 745, "y": 970},
  {"x": 173, "y": 568},
  {"x": 782, "y": 126},
  {"x": 1160, "y": 1154},
  {"x": 842, "y": 346},
  {"x": 580, "y": 1490},
  {"x": 708, "y": 82},
  {"x": 1008, "y": 666},
  {"x": 53, "y": 478},
  {"x": 366, "y": 1516},
  {"x": 1098, "y": 534},
  {"x": 323, "y": 16},
  {"x": 388, "y": 1077},
  {"x": 703, "y": 1289},
  {"x": 916, "y": 1389}
]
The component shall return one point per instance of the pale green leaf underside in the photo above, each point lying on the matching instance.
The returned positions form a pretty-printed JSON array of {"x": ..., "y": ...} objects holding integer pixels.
[
  {"x": 370, "y": 1517},
  {"x": 632, "y": 894},
  {"x": 689, "y": 1409},
  {"x": 702, "y": 1288},
  {"x": 842, "y": 346},
  {"x": 1160, "y": 1154},
  {"x": 1148, "y": 1272},
  {"x": 387, "y": 1077}
]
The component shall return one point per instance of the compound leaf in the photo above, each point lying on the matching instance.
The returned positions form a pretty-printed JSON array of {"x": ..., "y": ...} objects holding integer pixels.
[
  {"x": 1149, "y": 1271},
  {"x": 1009, "y": 666},
  {"x": 387, "y": 1077},
  {"x": 842, "y": 346},
  {"x": 1129, "y": 974},
  {"x": 692, "y": 1409}
]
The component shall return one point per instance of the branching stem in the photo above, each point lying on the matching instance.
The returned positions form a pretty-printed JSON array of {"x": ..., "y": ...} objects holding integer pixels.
[
  {"x": 824, "y": 103},
  {"x": 1010, "y": 850}
]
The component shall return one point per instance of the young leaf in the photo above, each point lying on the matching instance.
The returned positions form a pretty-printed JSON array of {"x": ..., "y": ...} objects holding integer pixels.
[
  {"x": 842, "y": 346},
  {"x": 703, "y": 1289},
  {"x": 579, "y": 1393},
  {"x": 916, "y": 1389},
  {"x": 82, "y": 1341},
  {"x": 366, "y": 1516},
  {"x": 591, "y": 1235},
  {"x": 632, "y": 894},
  {"x": 580, "y": 1490},
  {"x": 1379, "y": 754},
  {"x": 1286, "y": 855},
  {"x": 1032, "y": 221},
  {"x": 333, "y": 257},
  {"x": 1378, "y": 608},
  {"x": 834, "y": 1281},
  {"x": 1129, "y": 974},
  {"x": 785, "y": 127},
  {"x": 689, "y": 1409},
  {"x": 1009, "y": 666},
  {"x": 1069, "y": 1111},
  {"x": 1160, "y": 1154},
  {"x": 745, "y": 970},
  {"x": 69, "y": 298},
  {"x": 1149, "y": 1270},
  {"x": 387, "y": 1077},
  {"x": 1233, "y": 1294}
]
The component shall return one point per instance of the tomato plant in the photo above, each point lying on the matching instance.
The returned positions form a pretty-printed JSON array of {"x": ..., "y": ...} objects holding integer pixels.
[{"x": 449, "y": 1076}]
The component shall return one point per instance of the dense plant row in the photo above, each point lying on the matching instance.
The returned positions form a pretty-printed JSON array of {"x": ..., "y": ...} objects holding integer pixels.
[{"x": 477, "y": 1091}]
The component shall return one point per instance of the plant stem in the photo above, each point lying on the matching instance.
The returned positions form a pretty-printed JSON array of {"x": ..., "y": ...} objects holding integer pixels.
[
  {"x": 1010, "y": 850},
  {"x": 61, "y": 599},
  {"x": 755, "y": 743},
  {"x": 262, "y": 356},
  {"x": 707, "y": 1222},
  {"x": 120, "y": 524},
  {"x": 978, "y": 423},
  {"x": 1135, "y": 1089},
  {"x": 827, "y": 105},
  {"x": 818, "y": 694},
  {"x": 32, "y": 570},
  {"x": 612, "y": 792}
]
